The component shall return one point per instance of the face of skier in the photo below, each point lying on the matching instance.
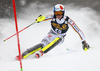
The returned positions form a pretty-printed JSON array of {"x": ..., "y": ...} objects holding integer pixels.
[{"x": 59, "y": 14}]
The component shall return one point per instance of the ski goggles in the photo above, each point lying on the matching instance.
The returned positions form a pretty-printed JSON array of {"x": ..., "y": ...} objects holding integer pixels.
[{"x": 58, "y": 13}]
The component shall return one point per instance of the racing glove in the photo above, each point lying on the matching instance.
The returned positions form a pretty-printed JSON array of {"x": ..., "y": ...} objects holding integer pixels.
[
  {"x": 40, "y": 18},
  {"x": 85, "y": 45}
]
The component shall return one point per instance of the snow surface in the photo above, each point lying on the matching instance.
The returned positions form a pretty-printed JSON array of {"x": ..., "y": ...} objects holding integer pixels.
[{"x": 58, "y": 59}]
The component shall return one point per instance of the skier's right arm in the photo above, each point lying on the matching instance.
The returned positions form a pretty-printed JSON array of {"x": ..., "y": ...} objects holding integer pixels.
[
  {"x": 43, "y": 18},
  {"x": 40, "y": 18},
  {"x": 49, "y": 17}
]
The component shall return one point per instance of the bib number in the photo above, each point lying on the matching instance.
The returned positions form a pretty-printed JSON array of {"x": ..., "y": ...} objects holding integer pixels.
[{"x": 58, "y": 31}]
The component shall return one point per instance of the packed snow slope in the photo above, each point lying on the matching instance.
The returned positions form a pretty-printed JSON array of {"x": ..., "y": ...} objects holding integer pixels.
[{"x": 58, "y": 59}]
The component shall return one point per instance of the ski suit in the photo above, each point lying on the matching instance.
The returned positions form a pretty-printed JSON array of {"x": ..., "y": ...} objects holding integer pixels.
[{"x": 56, "y": 34}]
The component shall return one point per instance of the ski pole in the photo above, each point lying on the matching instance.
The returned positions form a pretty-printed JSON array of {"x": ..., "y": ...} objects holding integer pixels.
[
  {"x": 19, "y": 31},
  {"x": 15, "y": 16},
  {"x": 39, "y": 19}
]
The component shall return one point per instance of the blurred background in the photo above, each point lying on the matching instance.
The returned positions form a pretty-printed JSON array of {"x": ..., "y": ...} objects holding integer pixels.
[{"x": 6, "y": 9}]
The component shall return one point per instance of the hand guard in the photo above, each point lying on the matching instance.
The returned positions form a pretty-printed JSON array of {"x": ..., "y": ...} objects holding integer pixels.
[
  {"x": 85, "y": 46},
  {"x": 40, "y": 18}
]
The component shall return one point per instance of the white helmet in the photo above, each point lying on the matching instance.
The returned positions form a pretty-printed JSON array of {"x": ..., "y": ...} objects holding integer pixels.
[{"x": 59, "y": 7}]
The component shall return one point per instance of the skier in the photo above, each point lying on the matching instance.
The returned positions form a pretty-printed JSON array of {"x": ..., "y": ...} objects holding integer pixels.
[{"x": 60, "y": 25}]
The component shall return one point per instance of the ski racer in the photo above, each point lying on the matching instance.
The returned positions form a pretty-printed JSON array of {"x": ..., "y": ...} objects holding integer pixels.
[{"x": 60, "y": 25}]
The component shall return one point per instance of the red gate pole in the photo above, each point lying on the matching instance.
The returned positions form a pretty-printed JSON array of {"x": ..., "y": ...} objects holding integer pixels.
[{"x": 15, "y": 16}]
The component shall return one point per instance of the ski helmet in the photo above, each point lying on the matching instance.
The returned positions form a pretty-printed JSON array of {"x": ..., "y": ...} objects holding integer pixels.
[{"x": 59, "y": 7}]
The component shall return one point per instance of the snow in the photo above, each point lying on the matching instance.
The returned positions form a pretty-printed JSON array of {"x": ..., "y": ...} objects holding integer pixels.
[{"x": 58, "y": 59}]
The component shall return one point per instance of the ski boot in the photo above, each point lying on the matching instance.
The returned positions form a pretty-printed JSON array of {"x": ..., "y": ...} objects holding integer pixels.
[{"x": 38, "y": 54}]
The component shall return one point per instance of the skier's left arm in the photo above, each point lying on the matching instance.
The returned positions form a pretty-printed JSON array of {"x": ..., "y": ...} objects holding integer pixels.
[{"x": 80, "y": 33}]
